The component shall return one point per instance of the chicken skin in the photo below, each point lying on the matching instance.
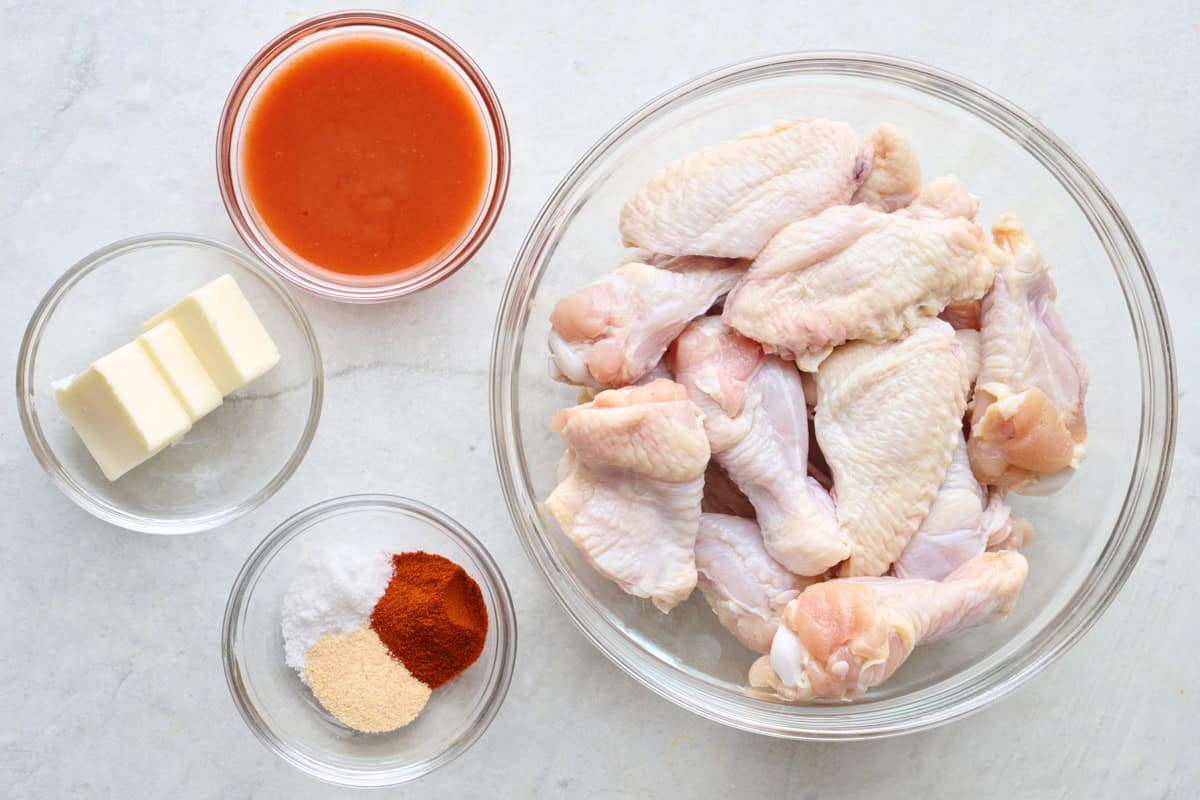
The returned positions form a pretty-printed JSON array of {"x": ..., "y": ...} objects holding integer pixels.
[
  {"x": 945, "y": 197},
  {"x": 1027, "y": 418},
  {"x": 842, "y": 637},
  {"x": 630, "y": 486},
  {"x": 746, "y": 588},
  {"x": 889, "y": 417},
  {"x": 729, "y": 199},
  {"x": 952, "y": 533},
  {"x": 757, "y": 425},
  {"x": 613, "y": 331},
  {"x": 855, "y": 273}
]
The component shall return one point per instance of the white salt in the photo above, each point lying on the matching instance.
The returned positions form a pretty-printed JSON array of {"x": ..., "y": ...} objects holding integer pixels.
[{"x": 334, "y": 591}]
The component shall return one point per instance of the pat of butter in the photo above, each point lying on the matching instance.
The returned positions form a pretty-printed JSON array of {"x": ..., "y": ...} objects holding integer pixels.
[
  {"x": 179, "y": 364},
  {"x": 123, "y": 409},
  {"x": 224, "y": 332}
]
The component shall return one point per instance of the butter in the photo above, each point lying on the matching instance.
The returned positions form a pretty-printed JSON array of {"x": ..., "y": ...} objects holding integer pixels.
[
  {"x": 182, "y": 369},
  {"x": 224, "y": 332},
  {"x": 123, "y": 409},
  {"x": 138, "y": 399}
]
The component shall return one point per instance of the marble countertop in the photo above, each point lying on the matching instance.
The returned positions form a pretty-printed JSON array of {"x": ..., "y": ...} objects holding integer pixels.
[{"x": 110, "y": 675}]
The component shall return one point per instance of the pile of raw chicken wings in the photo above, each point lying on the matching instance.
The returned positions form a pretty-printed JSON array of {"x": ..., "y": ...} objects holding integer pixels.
[{"x": 809, "y": 390}]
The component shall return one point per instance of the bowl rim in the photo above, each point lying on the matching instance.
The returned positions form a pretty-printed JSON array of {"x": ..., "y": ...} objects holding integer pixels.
[
  {"x": 398, "y": 284},
  {"x": 44, "y": 453},
  {"x": 976, "y": 687},
  {"x": 502, "y": 625}
]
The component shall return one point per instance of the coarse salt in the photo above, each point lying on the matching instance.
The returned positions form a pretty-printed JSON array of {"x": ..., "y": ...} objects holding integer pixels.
[{"x": 334, "y": 591}]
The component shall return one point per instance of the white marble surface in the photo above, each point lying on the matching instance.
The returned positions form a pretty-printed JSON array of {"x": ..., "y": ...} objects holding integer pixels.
[{"x": 110, "y": 675}]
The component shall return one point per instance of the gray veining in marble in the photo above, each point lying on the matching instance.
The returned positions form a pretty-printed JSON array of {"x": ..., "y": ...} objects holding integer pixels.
[{"x": 110, "y": 676}]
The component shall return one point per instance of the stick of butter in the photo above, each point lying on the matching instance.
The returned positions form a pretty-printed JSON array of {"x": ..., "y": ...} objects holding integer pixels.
[
  {"x": 224, "y": 332},
  {"x": 123, "y": 409},
  {"x": 178, "y": 363}
]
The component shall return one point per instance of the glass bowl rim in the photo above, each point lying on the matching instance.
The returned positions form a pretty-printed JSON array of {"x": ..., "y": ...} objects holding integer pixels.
[
  {"x": 249, "y": 231},
  {"x": 976, "y": 687},
  {"x": 44, "y": 453},
  {"x": 503, "y": 625}
]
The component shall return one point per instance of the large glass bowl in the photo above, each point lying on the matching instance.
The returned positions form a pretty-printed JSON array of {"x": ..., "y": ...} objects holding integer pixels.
[{"x": 1089, "y": 535}]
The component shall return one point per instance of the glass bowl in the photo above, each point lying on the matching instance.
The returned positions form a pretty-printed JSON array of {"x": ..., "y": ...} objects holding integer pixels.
[
  {"x": 232, "y": 460},
  {"x": 1089, "y": 535},
  {"x": 260, "y": 240},
  {"x": 282, "y": 712}
]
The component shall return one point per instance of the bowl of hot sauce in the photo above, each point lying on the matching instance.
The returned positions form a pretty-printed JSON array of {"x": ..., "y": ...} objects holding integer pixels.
[{"x": 363, "y": 156}]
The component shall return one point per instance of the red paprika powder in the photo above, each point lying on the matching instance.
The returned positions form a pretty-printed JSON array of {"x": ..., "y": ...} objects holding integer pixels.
[{"x": 431, "y": 617}]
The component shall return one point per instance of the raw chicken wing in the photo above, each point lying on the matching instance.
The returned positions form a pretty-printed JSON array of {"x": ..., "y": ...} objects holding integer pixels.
[
  {"x": 1027, "y": 419},
  {"x": 630, "y": 485},
  {"x": 757, "y": 424},
  {"x": 894, "y": 175},
  {"x": 888, "y": 419},
  {"x": 746, "y": 588},
  {"x": 856, "y": 273},
  {"x": 1004, "y": 529},
  {"x": 970, "y": 352},
  {"x": 952, "y": 533},
  {"x": 945, "y": 197},
  {"x": 613, "y": 331},
  {"x": 730, "y": 199},
  {"x": 842, "y": 637},
  {"x": 958, "y": 525}
]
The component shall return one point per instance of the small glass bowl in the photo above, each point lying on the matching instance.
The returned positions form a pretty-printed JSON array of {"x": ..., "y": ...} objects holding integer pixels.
[
  {"x": 282, "y": 712},
  {"x": 232, "y": 460},
  {"x": 258, "y": 237}
]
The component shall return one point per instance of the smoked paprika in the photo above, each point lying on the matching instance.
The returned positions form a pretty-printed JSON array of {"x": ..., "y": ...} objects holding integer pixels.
[{"x": 431, "y": 617}]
